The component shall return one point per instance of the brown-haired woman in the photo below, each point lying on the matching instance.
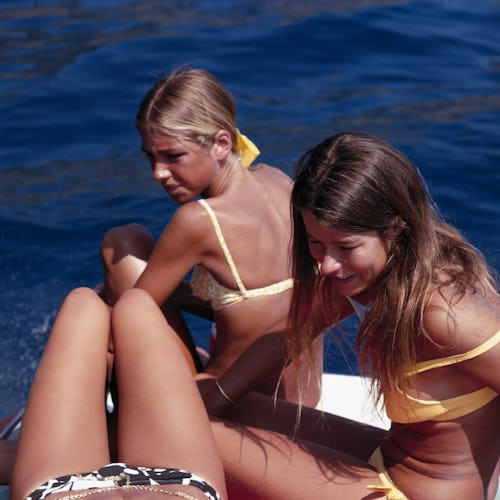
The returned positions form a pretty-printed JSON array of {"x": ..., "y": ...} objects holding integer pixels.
[{"x": 368, "y": 238}]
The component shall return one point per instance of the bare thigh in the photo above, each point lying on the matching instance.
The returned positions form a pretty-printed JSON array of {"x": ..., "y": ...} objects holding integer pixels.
[
  {"x": 64, "y": 426},
  {"x": 264, "y": 412},
  {"x": 263, "y": 464},
  {"x": 162, "y": 419}
]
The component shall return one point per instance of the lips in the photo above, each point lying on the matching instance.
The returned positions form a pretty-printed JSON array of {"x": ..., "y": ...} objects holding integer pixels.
[
  {"x": 341, "y": 279},
  {"x": 170, "y": 188},
  {"x": 341, "y": 282}
]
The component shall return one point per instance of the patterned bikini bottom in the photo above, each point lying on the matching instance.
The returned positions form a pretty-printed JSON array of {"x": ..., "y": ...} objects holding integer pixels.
[{"x": 121, "y": 476}]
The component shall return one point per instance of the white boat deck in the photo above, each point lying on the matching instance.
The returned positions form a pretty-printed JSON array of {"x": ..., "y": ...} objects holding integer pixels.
[{"x": 348, "y": 396}]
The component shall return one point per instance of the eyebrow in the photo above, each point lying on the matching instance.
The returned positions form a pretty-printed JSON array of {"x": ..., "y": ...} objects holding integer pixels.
[{"x": 345, "y": 239}]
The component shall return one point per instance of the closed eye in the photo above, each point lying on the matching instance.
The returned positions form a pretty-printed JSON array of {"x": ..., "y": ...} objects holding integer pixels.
[
  {"x": 312, "y": 241},
  {"x": 170, "y": 157}
]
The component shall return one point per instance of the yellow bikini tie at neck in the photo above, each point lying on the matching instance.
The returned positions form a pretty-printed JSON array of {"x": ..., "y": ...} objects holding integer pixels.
[{"x": 247, "y": 150}]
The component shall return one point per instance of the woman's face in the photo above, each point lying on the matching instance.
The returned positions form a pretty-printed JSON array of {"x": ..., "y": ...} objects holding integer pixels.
[
  {"x": 351, "y": 261},
  {"x": 184, "y": 169}
]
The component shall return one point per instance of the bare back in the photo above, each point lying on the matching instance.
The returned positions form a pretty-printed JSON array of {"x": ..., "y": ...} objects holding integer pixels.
[
  {"x": 254, "y": 217},
  {"x": 252, "y": 208},
  {"x": 255, "y": 220}
]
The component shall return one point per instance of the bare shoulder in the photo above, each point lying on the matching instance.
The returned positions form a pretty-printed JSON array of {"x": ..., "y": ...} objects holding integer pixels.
[
  {"x": 190, "y": 220},
  {"x": 458, "y": 323},
  {"x": 265, "y": 172}
]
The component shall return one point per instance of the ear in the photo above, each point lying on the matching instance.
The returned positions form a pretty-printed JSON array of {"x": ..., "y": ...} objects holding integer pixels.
[{"x": 223, "y": 145}]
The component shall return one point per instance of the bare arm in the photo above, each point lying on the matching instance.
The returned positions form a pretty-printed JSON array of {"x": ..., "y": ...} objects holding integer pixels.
[
  {"x": 185, "y": 299},
  {"x": 178, "y": 250},
  {"x": 484, "y": 367},
  {"x": 464, "y": 326},
  {"x": 265, "y": 357}
]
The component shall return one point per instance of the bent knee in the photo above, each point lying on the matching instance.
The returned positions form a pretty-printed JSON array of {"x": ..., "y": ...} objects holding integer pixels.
[
  {"x": 82, "y": 294},
  {"x": 84, "y": 298},
  {"x": 132, "y": 238},
  {"x": 132, "y": 308},
  {"x": 133, "y": 298}
]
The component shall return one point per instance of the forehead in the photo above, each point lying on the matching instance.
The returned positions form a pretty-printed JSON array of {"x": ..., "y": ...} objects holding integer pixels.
[
  {"x": 314, "y": 227},
  {"x": 324, "y": 233},
  {"x": 166, "y": 143}
]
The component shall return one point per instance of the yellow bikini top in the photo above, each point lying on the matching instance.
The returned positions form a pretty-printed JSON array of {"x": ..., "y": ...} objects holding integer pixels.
[
  {"x": 206, "y": 287},
  {"x": 421, "y": 410}
]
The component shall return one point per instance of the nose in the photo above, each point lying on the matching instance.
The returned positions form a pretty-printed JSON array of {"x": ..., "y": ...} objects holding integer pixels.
[
  {"x": 329, "y": 264},
  {"x": 161, "y": 172}
]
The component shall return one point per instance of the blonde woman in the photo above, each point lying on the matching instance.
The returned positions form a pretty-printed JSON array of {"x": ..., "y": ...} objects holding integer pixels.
[{"x": 232, "y": 230}]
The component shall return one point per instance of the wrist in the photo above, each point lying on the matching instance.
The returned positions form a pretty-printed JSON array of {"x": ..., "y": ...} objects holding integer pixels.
[{"x": 224, "y": 394}]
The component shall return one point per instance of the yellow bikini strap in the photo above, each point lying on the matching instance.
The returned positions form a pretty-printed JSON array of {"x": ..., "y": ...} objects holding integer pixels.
[
  {"x": 247, "y": 150},
  {"x": 457, "y": 358},
  {"x": 223, "y": 244}
]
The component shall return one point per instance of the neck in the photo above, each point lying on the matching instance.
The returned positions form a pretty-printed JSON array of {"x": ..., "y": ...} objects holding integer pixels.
[
  {"x": 228, "y": 175},
  {"x": 363, "y": 298}
]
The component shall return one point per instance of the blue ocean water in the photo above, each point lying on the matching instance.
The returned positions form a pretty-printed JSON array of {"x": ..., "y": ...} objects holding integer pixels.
[{"x": 423, "y": 75}]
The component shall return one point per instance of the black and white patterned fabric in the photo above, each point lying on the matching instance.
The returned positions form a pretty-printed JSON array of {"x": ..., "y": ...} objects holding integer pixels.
[{"x": 118, "y": 474}]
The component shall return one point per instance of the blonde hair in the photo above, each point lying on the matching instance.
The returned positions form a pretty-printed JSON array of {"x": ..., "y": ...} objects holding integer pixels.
[
  {"x": 188, "y": 104},
  {"x": 358, "y": 183}
]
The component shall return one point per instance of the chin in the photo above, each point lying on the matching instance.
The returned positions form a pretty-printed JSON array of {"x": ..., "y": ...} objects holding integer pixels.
[
  {"x": 181, "y": 199},
  {"x": 362, "y": 296}
]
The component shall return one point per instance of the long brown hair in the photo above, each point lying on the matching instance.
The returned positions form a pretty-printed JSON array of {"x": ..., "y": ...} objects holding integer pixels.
[{"x": 355, "y": 182}]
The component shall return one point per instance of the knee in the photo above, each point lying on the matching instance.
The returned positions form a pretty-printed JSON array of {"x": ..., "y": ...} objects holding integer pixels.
[
  {"x": 86, "y": 300},
  {"x": 132, "y": 301},
  {"x": 82, "y": 296},
  {"x": 132, "y": 239},
  {"x": 130, "y": 312}
]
